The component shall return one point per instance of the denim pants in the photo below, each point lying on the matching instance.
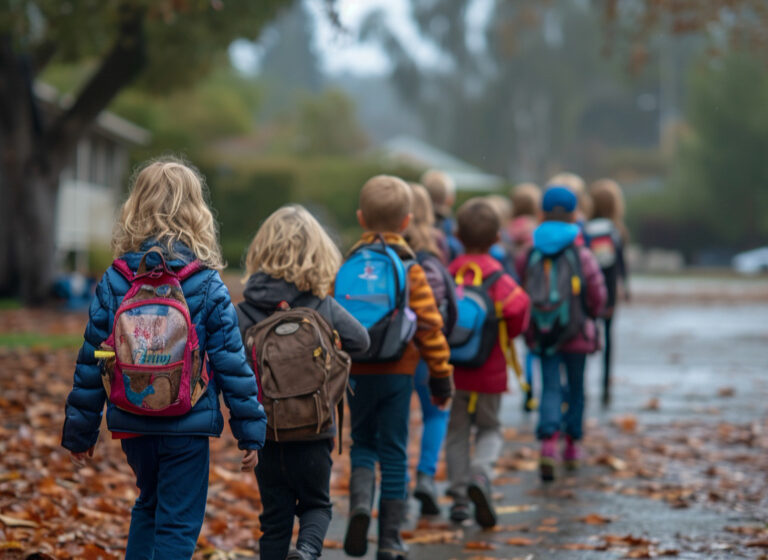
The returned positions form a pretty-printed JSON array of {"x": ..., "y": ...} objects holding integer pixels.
[
  {"x": 554, "y": 393},
  {"x": 461, "y": 462},
  {"x": 294, "y": 481},
  {"x": 435, "y": 423},
  {"x": 172, "y": 477},
  {"x": 380, "y": 406}
]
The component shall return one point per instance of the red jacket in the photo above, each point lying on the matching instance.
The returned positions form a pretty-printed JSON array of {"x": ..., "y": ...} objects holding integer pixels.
[{"x": 492, "y": 376}]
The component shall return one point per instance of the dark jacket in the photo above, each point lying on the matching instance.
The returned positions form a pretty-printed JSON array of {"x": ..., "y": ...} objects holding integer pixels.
[
  {"x": 263, "y": 294},
  {"x": 551, "y": 238},
  {"x": 215, "y": 320}
]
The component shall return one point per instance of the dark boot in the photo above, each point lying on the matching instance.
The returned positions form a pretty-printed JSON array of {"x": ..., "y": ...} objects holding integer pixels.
[
  {"x": 426, "y": 493},
  {"x": 302, "y": 553},
  {"x": 391, "y": 516},
  {"x": 362, "y": 485},
  {"x": 479, "y": 492}
]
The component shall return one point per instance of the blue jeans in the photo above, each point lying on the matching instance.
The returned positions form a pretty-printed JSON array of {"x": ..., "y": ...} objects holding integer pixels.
[
  {"x": 294, "y": 480},
  {"x": 172, "y": 477},
  {"x": 435, "y": 423},
  {"x": 379, "y": 409},
  {"x": 554, "y": 393}
]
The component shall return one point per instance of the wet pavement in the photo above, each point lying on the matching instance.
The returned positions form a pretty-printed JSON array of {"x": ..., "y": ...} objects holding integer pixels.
[{"x": 689, "y": 384}]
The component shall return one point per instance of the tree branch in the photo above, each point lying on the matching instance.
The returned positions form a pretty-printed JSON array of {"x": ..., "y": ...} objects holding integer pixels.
[{"x": 118, "y": 68}]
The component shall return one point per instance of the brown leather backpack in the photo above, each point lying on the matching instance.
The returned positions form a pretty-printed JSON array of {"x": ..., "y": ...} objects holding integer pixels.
[{"x": 301, "y": 370}]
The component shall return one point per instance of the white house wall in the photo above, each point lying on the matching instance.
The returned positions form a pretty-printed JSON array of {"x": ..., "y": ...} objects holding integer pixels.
[{"x": 85, "y": 215}]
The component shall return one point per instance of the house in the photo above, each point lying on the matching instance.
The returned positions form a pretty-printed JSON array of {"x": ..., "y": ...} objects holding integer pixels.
[
  {"x": 91, "y": 185},
  {"x": 412, "y": 152}
]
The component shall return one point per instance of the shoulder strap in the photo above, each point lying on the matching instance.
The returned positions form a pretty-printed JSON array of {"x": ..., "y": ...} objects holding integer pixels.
[
  {"x": 189, "y": 269},
  {"x": 508, "y": 348},
  {"x": 122, "y": 267},
  {"x": 492, "y": 279}
]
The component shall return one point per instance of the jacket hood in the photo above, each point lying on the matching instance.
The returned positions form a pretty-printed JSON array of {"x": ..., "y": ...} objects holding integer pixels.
[
  {"x": 266, "y": 292},
  {"x": 180, "y": 256},
  {"x": 553, "y": 237},
  {"x": 488, "y": 265}
]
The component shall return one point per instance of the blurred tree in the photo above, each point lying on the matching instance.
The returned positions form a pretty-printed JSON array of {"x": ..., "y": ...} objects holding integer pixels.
[
  {"x": 166, "y": 44},
  {"x": 327, "y": 125},
  {"x": 722, "y": 177}
]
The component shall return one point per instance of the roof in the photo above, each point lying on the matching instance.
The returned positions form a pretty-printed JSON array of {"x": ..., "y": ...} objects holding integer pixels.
[
  {"x": 410, "y": 151},
  {"x": 107, "y": 124}
]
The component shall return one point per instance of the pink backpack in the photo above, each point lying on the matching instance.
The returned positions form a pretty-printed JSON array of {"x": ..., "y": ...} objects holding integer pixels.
[{"x": 154, "y": 366}]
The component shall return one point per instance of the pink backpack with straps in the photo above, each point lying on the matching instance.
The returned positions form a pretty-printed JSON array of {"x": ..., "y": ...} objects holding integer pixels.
[{"x": 155, "y": 367}]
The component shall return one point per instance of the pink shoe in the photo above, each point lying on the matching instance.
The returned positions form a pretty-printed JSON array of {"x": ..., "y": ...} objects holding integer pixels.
[
  {"x": 548, "y": 457},
  {"x": 571, "y": 454}
]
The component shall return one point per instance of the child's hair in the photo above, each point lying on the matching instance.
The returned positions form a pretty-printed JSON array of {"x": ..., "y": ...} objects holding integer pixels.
[
  {"x": 441, "y": 189},
  {"x": 292, "y": 245},
  {"x": 385, "y": 201},
  {"x": 478, "y": 225},
  {"x": 420, "y": 231},
  {"x": 608, "y": 202},
  {"x": 502, "y": 205},
  {"x": 526, "y": 200},
  {"x": 577, "y": 185},
  {"x": 167, "y": 202}
]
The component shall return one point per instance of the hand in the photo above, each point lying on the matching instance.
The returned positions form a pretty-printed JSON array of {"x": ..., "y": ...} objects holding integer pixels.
[
  {"x": 442, "y": 403},
  {"x": 250, "y": 460},
  {"x": 80, "y": 459}
]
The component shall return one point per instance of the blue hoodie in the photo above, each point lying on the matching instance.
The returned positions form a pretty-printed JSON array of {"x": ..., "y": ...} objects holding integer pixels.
[
  {"x": 215, "y": 319},
  {"x": 552, "y": 237}
]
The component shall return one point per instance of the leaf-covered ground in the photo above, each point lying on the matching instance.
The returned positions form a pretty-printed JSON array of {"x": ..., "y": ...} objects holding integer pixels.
[{"x": 678, "y": 467}]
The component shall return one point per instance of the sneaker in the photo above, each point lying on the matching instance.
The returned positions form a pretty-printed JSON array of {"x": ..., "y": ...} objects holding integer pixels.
[
  {"x": 426, "y": 493},
  {"x": 547, "y": 458},
  {"x": 571, "y": 454},
  {"x": 459, "y": 511},
  {"x": 479, "y": 492}
]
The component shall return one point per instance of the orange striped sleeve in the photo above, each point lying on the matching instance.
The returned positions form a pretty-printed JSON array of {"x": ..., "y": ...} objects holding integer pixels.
[{"x": 429, "y": 337}]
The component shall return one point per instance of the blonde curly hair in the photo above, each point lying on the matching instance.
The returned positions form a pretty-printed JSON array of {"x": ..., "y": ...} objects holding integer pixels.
[
  {"x": 292, "y": 245},
  {"x": 167, "y": 202}
]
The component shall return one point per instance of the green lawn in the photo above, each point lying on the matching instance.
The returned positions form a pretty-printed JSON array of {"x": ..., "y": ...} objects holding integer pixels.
[{"x": 35, "y": 340}]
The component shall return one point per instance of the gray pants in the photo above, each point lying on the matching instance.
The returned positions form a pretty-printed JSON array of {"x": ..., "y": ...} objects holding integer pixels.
[{"x": 488, "y": 440}]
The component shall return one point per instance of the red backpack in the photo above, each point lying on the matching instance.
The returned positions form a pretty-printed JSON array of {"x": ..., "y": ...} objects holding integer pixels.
[{"x": 152, "y": 363}]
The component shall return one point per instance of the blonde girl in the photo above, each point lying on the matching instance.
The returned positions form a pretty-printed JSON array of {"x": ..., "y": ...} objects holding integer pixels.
[
  {"x": 169, "y": 455},
  {"x": 293, "y": 260}
]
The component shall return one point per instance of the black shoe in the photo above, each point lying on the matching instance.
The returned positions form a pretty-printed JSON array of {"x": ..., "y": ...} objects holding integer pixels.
[
  {"x": 529, "y": 403},
  {"x": 426, "y": 493},
  {"x": 391, "y": 516},
  {"x": 479, "y": 492},
  {"x": 361, "y": 490},
  {"x": 301, "y": 555},
  {"x": 459, "y": 512}
]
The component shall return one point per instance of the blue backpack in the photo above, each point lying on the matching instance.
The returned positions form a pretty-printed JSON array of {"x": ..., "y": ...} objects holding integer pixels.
[
  {"x": 477, "y": 326},
  {"x": 372, "y": 285}
]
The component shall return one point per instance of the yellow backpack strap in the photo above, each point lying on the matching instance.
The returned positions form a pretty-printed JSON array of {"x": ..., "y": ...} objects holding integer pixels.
[
  {"x": 477, "y": 277},
  {"x": 508, "y": 348}
]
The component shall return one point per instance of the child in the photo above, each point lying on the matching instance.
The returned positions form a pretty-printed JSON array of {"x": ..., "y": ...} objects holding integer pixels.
[
  {"x": 166, "y": 214},
  {"x": 380, "y": 395},
  {"x": 502, "y": 249},
  {"x": 607, "y": 236},
  {"x": 579, "y": 296},
  {"x": 291, "y": 259},
  {"x": 422, "y": 237},
  {"x": 526, "y": 205},
  {"x": 442, "y": 191},
  {"x": 577, "y": 186},
  {"x": 478, "y": 390}
]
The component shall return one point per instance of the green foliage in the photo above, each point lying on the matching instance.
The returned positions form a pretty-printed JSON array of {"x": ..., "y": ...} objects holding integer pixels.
[
  {"x": 327, "y": 125},
  {"x": 37, "y": 341}
]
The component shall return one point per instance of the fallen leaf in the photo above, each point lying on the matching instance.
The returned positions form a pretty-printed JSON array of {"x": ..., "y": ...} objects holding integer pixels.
[
  {"x": 521, "y": 541},
  {"x": 515, "y": 509},
  {"x": 726, "y": 392},
  {"x": 626, "y": 423},
  {"x": 9, "y": 521},
  {"x": 595, "y": 519},
  {"x": 479, "y": 545},
  {"x": 652, "y": 404}
]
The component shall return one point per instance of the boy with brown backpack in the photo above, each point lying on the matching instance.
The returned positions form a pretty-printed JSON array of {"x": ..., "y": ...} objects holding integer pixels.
[{"x": 296, "y": 339}]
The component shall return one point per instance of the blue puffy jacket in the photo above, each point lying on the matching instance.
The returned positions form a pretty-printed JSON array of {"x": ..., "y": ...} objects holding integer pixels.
[{"x": 215, "y": 318}]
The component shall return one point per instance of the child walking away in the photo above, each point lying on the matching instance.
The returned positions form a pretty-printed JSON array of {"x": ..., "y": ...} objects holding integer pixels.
[
  {"x": 577, "y": 186},
  {"x": 567, "y": 292},
  {"x": 294, "y": 336},
  {"x": 502, "y": 249},
  {"x": 607, "y": 234},
  {"x": 382, "y": 286},
  {"x": 442, "y": 191},
  {"x": 526, "y": 206},
  {"x": 422, "y": 237},
  {"x": 493, "y": 310},
  {"x": 162, "y": 326}
]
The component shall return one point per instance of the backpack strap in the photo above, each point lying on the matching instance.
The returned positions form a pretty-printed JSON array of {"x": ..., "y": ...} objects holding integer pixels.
[
  {"x": 143, "y": 263},
  {"x": 122, "y": 267},
  {"x": 189, "y": 269}
]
